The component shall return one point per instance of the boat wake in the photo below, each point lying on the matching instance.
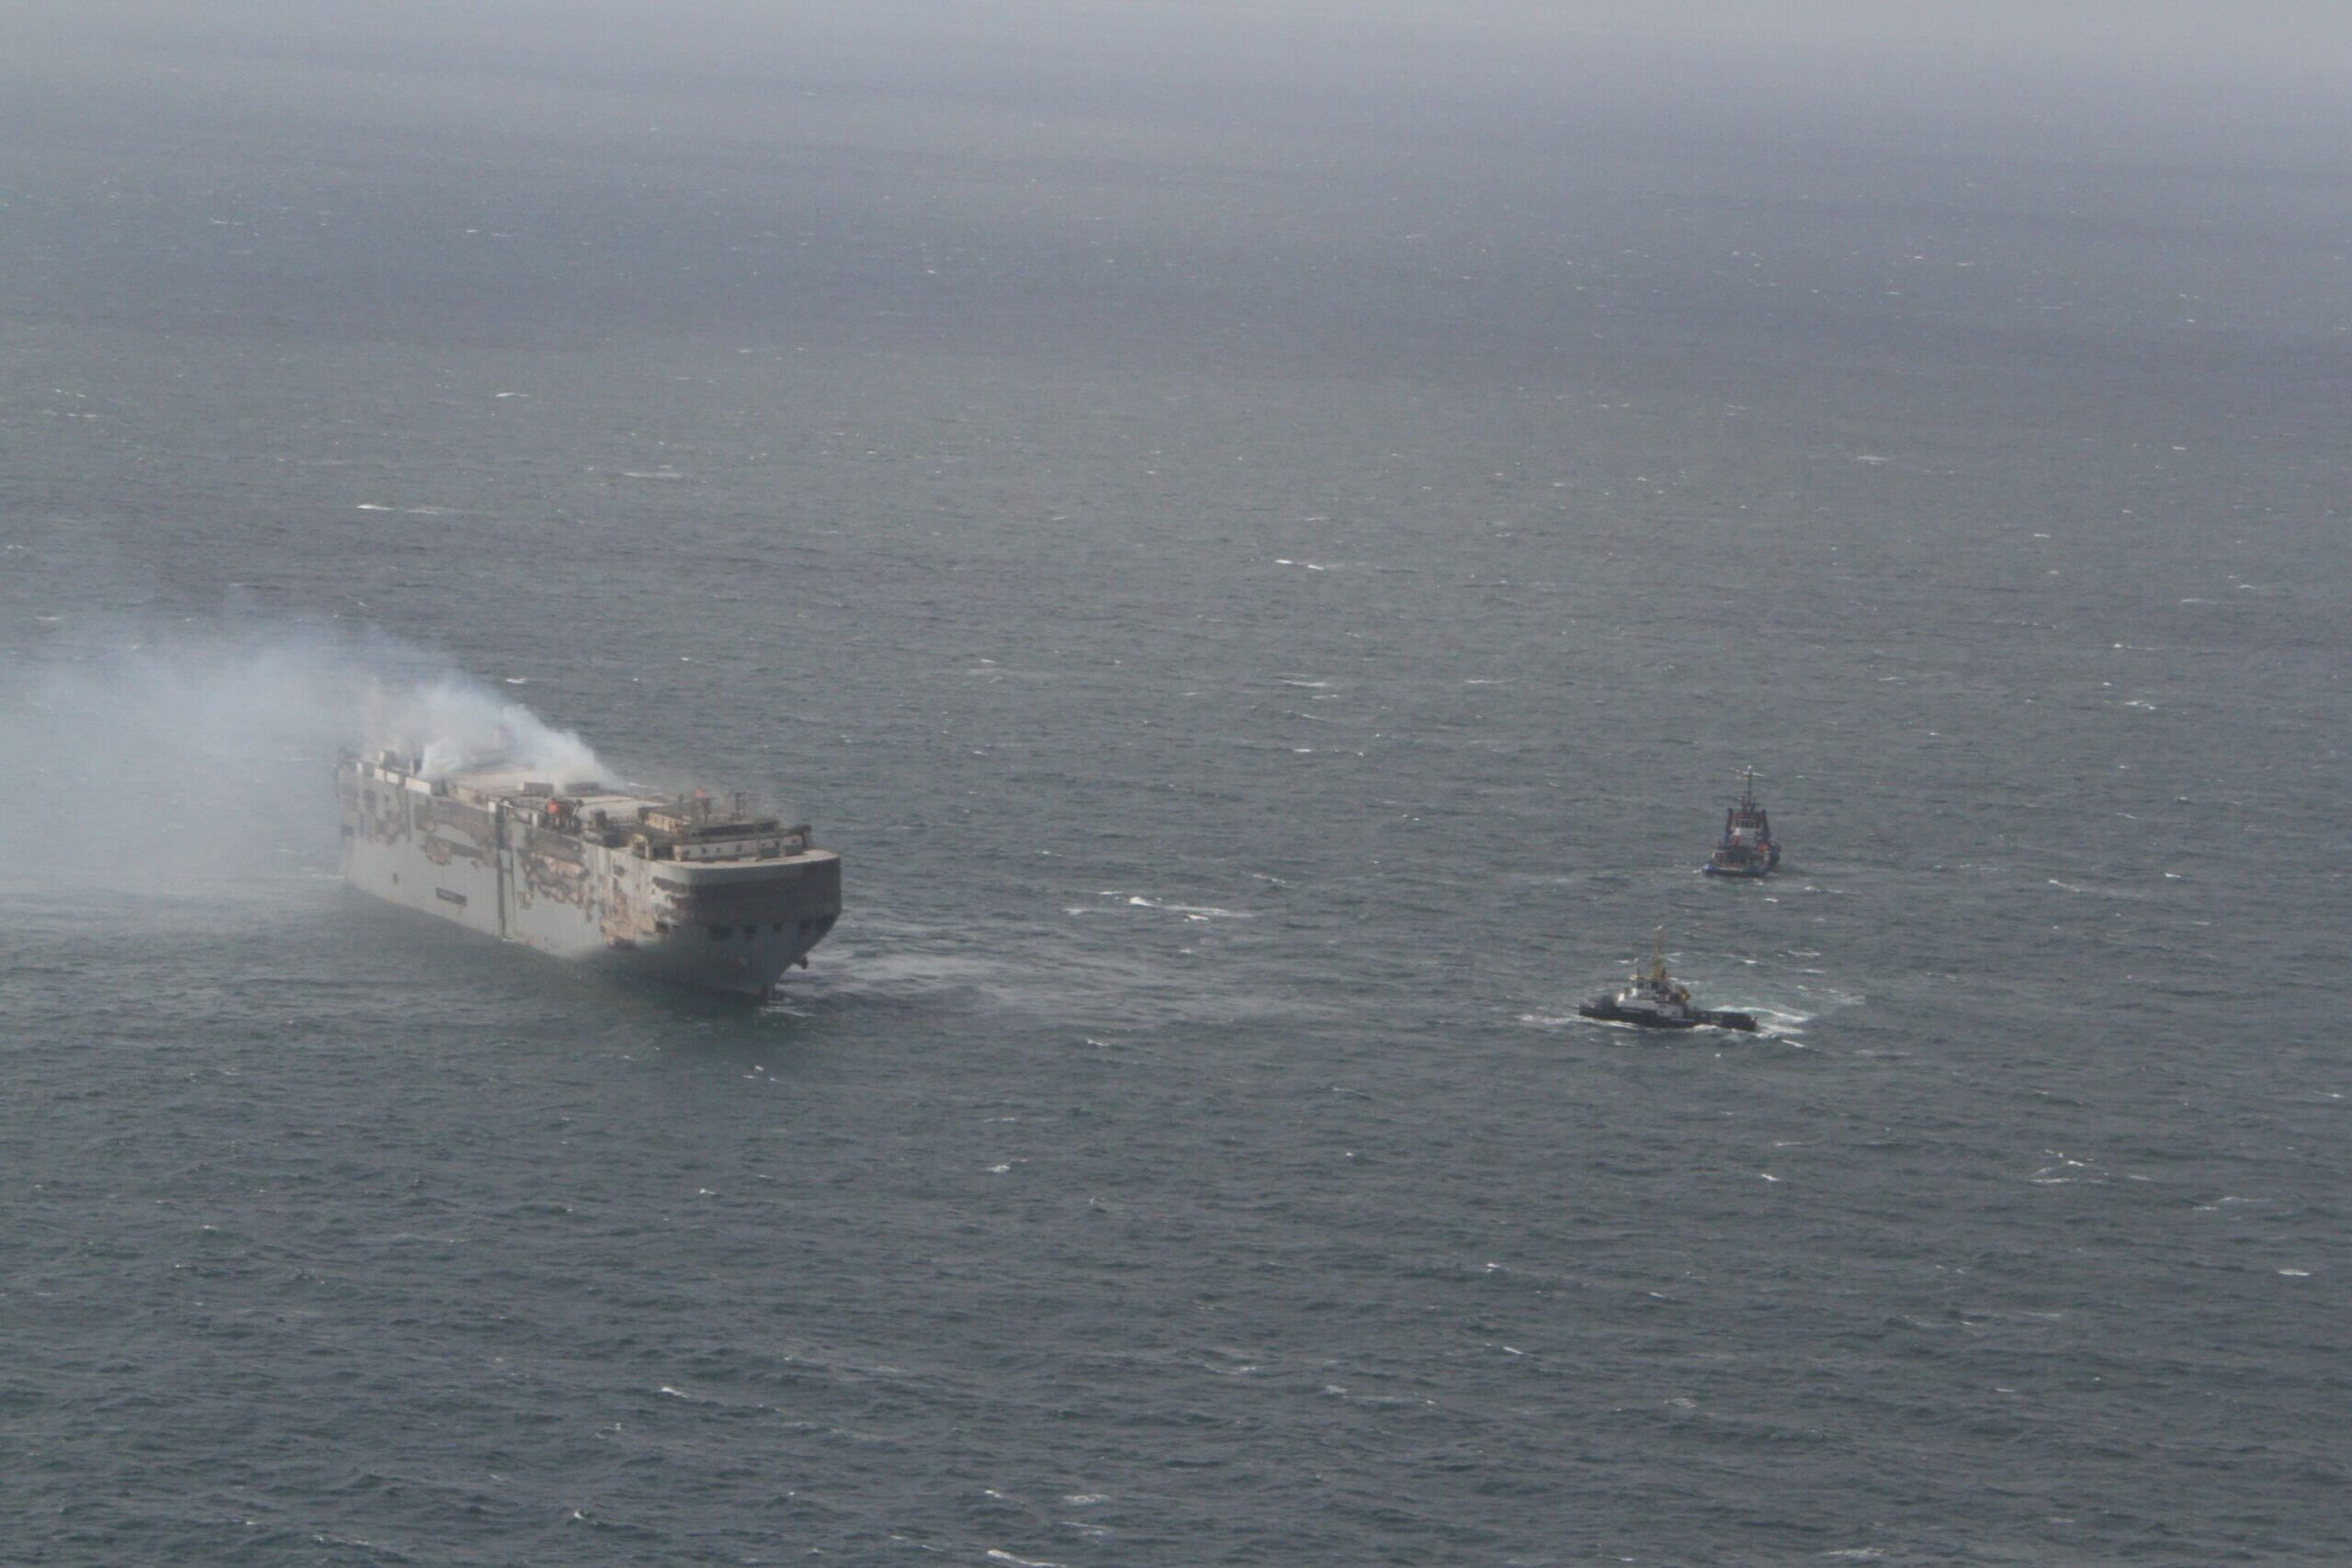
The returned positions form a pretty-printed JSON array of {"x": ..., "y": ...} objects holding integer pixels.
[
  {"x": 1094, "y": 976},
  {"x": 1190, "y": 911},
  {"x": 1779, "y": 1023}
]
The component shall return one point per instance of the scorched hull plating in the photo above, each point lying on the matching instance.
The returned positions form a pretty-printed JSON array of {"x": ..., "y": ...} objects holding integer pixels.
[{"x": 581, "y": 876}]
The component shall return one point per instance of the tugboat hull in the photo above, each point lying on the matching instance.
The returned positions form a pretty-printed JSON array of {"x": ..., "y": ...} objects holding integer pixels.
[
  {"x": 1751, "y": 867},
  {"x": 1607, "y": 1012}
]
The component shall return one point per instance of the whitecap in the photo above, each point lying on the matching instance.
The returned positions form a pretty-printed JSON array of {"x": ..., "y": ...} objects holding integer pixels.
[
  {"x": 2068, "y": 1170},
  {"x": 1190, "y": 911}
]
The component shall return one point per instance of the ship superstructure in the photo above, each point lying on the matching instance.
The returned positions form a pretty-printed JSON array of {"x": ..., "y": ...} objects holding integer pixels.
[{"x": 681, "y": 889}]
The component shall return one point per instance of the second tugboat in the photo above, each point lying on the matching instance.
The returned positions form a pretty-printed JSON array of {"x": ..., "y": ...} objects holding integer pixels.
[
  {"x": 1747, "y": 848},
  {"x": 1656, "y": 1000}
]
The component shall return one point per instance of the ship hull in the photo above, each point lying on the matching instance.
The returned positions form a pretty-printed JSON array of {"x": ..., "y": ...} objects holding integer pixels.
[
  {"x": 1761, "y": 866},
  {"x": 732, "y": 928},
  {"x": 1606, "y": 1010}
]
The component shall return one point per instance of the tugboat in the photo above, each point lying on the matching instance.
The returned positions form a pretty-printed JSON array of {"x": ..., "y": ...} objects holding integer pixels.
[
  {"x": 1656, "y": 1000},
  {"x": 1747, "y": 848}
]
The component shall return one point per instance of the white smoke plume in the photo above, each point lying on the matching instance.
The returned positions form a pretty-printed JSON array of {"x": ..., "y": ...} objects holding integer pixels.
[
  {"x": 455, "y": 724},
  {"x": 204, "y": 762}
]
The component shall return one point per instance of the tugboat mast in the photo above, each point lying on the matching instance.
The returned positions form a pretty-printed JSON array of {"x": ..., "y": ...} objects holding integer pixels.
[{"x": 1656, "y": 973}]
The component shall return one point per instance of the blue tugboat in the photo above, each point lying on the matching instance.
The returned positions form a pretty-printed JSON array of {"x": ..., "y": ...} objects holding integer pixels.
[
  {"x": 1656, "y": 999},
  {"x": 1747, "y": 848}
]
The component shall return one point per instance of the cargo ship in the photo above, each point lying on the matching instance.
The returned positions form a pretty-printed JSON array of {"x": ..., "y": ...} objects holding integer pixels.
[
  {"x": 678, "y": 888},
  {"x": 1747, "y": 848}
]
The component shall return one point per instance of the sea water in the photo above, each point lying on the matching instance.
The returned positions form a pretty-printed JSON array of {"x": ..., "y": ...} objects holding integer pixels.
[{"x": 1266, "y": 545}]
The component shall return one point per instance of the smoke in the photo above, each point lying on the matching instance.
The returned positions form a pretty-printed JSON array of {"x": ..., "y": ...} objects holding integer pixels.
[
  {"x": 455, "y": 724},
  {"x": 203, "y": 764}
]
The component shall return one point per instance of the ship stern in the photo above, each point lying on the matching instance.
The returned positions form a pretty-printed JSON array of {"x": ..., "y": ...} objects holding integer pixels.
[{"x": 730, "y": 928}]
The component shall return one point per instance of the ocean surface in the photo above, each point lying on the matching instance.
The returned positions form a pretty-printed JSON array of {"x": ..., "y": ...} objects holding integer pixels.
[{"x": 1265, "y": 537}]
